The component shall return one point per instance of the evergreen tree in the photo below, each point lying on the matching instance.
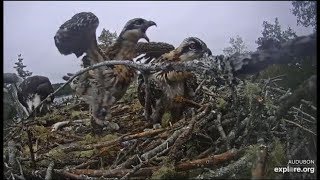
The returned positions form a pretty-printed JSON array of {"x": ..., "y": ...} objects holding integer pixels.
[
  {"x": 236, "y": 46},
  {"x": 306, "y": 13},
  {"x": 106, "y": 38},
  {"x": 20, "y": 68},
  {"x": 272, "y": 35}
]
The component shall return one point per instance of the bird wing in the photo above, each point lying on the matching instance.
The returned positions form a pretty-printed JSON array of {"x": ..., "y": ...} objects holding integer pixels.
[
  {"x": 78, "y": 35},
  {"x": 152, "y": 50}
]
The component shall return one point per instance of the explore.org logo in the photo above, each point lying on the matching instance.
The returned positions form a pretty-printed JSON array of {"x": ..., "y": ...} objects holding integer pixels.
[{"x": 297, "y": 166}]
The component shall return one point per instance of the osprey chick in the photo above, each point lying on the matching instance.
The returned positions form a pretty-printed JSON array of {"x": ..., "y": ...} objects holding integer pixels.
[
  {"x": 165, "y": 86},
  {"x": 32, "y": 91},
  {"x": 101, "y": 87}
]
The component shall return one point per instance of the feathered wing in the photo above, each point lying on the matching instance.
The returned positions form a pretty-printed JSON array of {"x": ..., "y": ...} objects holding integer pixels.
[
  {"x": 152, "y": 50},
  {"x": 77, "y": 34}
]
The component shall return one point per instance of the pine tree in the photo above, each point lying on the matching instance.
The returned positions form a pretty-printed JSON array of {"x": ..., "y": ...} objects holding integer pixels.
[
  {"x": 237, "y": 45},
  {"x": 20, "y": 68},
  {"x": 272, "y": 35},
  {"x": 106, "y": 38}
]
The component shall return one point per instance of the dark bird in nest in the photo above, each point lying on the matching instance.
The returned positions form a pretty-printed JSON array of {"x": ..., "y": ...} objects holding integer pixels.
[
  {"x": 167, "y": 86},
  {"x": 32, "y": 91},
  {"x": 103, "y": 86}
]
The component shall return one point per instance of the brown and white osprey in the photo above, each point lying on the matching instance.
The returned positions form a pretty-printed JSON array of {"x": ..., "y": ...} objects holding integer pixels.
[
  {"x": 32, "y": 91},
  {"x": 165, "y": 86},
  {"x": 101, "y": 87}
]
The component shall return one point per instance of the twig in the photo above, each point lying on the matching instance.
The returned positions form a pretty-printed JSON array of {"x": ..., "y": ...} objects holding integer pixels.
[
  {"x": 113, "y": 142},
  {"x": 59, "y": 125},
  {"x": 135, "y": 169},
  {"x": 221, "y": 131},
  {"x": 49, "y": 171},
  {"x": 236, "y": 167},
  {"x": 304, "y": 113},
  {"x": 113, "y": 173},
  {"x": 183, "y": 137},
  {"x": 162, "y": 146},
  {"x": 147, "y": 104},
  {"x": 33, "y": 162},
  {"x": 210, "y": 161},
  {"x": 298, "y": 125},
  {"x": 12, "y": 152},
  {"x": 86, "y": 164},
  {"x": 21, "y": 170},
  {"x": 69, "y": 175},
  {"x": 309, "y": 104},
  {"x": 200, "y": 85}
]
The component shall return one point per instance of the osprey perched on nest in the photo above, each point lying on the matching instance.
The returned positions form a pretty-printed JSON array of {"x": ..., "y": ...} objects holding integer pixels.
[
  {"x": 32, "y": 91},
  {"x": 103, "y": 86},
  {"x": 166, "y": 86}
]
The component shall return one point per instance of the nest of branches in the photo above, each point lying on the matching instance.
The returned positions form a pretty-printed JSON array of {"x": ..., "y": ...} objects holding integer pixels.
[{"x": 233, "y": 129}]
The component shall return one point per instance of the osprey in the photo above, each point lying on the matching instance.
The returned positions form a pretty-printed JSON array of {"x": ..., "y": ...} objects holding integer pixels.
[
  {"x": 32, "y": 91},
  {"x": 103, "y": 86},
  {"x": 166, "y": 86}
]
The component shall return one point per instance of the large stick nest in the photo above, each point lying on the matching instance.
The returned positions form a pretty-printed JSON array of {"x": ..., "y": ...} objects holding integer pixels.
[{"x": 238, "y": 130}]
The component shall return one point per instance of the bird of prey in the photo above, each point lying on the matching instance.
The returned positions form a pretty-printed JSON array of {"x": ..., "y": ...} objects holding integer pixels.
[
  {"x": 166, "y": 86},
  {"x": 32, "y": 91},
  {"x": 103, "y": 86}
]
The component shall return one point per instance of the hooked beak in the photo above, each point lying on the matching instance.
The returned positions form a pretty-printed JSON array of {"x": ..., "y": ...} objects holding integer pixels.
[{"x": 145, "y": 27}]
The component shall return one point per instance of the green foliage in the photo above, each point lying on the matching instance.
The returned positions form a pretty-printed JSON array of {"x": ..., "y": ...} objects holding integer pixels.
[
  {"x": 236, "y": 46},
  {"x": 306, "y": 13},
  {"x": 20, "y": 68},
  {"x": 167, "y": 172},
  {"x": 165, "y": 119},
  {"x": 221, "y": 103},
  {"x": 252, "y": 90},
  {"x": 106, "y": 38},
  {"x": 276, "y": 158},
  {"x": 272, "y": 35}
]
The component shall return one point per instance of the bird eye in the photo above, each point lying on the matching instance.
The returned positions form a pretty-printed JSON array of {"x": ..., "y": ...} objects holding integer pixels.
[{"x": 192, "y": 46}]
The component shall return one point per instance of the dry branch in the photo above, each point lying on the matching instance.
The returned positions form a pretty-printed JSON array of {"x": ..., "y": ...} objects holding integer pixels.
[
  {"x": 113, "y": 173},
  {"x": 183, "y": 138},
  {"x": 61, "y": 124},
  {"x": 114, "y": 142},
  {"x": 298, "y": 125},
  {"x": 233, "y": 168},
  {"x": 49, "y": 171},
  {"x": 210, "y": 161},
  {"x": 162, "y": 146},
  {"x": 221, "y": 130}
]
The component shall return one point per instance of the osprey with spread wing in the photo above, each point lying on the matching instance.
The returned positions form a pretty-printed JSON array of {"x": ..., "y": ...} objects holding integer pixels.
[{"x": 103, "y": 86}]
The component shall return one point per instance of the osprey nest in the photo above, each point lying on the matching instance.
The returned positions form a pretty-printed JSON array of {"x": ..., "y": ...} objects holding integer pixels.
[{"x": 229, "y": 131}]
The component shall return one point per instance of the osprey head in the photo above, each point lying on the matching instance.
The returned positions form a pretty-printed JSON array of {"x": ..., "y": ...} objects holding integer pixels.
[
  {"x": 192, "y": 48},
  {"x": 135, "y": 29}
]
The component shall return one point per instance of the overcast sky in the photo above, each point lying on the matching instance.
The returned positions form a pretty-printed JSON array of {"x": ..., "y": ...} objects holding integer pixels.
[{"x": 29, "y": 27}]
